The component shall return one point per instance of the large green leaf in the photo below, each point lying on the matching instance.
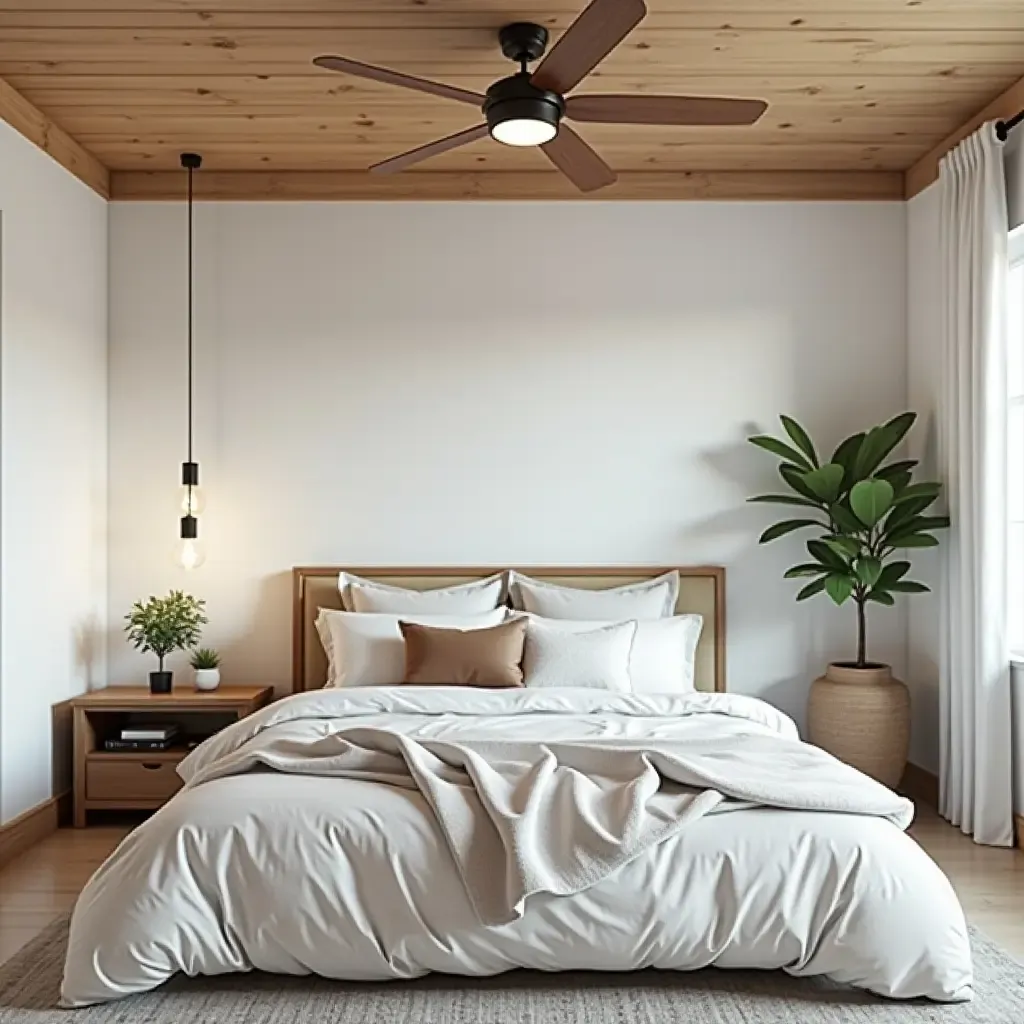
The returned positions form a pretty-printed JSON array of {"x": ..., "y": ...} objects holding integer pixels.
[
  {"x": 882, "y": 597},
  {"x": 881, "y": 441},
  {"x": 891, "y": 573},
  {"x": 795, "y": 478},
  {"x": 870, "y": 446},
  {"x": 782, "y": 450},
  {"x": 869, "y": 570},
  {"x": 786, "y": 499},
  {"x": 846, "y": 456},
  {"x": 904, "y": 512},
  {"x": 899, "y": 474},
  {"x": 786, "y": 526},
  {"x": 870, "y": 500},
  {"x": 825, "y": 481},
  {"x": 922, "y": 490},
  {"x": 910, "y": 587},
  {"x": 895, "y": 469},
  {"x": 900, "y": 482},
  {"x": 917, "y": 524},
  {"x": 800, "y": 438},
  {"x": 815, "y": 587},
  {"x": 848, "y": 547},
  {"x": 913, "y": 540},
  {"x": 821, "y": 552},
  {"x": 923, "y": 523},
  {"x": 806, "y": 569},
  {"x": 845, "y": 519},
  {"x": 839, "y": 587}
]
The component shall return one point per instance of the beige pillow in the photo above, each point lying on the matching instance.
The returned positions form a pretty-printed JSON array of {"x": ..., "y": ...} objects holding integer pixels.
[{"x": 455, "y": 657}]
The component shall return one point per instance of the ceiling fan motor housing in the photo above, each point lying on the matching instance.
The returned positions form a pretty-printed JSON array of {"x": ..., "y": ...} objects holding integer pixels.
[
  {"x": 523, "y": 41},
  {"x": 516, "y": 99}
]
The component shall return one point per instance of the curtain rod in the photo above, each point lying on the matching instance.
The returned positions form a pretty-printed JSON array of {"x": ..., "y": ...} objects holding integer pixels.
[{"x": 1003, "y": 128}]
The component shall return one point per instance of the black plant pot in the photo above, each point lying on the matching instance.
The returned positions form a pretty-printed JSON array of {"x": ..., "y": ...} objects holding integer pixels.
[{"x": 160, "y": 682}]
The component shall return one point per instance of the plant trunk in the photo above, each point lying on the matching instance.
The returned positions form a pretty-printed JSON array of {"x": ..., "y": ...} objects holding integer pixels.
[
  {"x": 161, "y": 657},
  {"x": 862, "y": 635}
]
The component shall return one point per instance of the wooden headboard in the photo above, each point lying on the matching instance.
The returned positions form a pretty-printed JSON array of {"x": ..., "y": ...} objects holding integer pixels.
[{"x": 701, "y": 591}]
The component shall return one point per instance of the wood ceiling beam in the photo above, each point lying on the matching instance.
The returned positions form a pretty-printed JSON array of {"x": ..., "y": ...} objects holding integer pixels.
[
  {"x": 358, "y": 186},
  {"x": 31, "y": 122},
  {"x": 926, "y": 170}
]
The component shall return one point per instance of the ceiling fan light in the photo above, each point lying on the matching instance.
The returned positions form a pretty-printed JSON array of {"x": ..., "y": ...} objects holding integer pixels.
[
  {"x": 523, "y": 131},
  {"x": 520, "y": 114}
]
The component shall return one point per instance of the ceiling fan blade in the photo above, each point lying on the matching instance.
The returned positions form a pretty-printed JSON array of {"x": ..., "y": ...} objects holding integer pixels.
[
  {"x": 586, "y": 42},
  {"x": 354, "y": 67},
  {"x": 414, "y": 156},
  {"x": 638, "y": 109},
  {"x": 577, "y": 161}
]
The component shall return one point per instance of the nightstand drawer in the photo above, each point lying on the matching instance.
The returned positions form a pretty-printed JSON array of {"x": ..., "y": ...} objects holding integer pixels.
[{"x": 131, "y": 779}]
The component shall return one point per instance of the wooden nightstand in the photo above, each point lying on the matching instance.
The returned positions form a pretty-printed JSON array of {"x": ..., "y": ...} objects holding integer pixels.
[{"x": 143, "y": 781}]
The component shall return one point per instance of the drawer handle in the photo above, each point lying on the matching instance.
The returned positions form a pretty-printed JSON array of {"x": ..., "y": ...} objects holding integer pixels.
[{"x": 152, "y": 766}]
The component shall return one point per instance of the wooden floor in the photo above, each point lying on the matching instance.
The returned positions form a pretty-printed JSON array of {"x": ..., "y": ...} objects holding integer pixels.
[{"x": 44, "y": 882}]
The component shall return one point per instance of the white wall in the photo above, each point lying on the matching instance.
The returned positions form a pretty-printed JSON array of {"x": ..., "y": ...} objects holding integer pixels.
[
  {"x": 471, "y": 383},
  {"x": 53, "y": 348}
]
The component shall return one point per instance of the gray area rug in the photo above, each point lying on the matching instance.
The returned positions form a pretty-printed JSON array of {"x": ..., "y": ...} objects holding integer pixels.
[{"x": 30, "y": 981}]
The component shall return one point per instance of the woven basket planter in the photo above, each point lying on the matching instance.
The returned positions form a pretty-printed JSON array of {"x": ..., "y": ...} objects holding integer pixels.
[{"x": 862, "y": 716}]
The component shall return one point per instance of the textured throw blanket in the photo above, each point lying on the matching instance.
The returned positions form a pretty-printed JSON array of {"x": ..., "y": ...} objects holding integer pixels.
[{"x": 547, "y": 816}]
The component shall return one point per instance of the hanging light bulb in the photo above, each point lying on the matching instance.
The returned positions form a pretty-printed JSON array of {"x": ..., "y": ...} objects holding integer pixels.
[
  {"x": 193, "y": 501},
  {"x": 191, "y": 553}
]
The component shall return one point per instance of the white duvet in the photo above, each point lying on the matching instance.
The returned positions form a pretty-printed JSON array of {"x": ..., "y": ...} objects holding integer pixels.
[{"x": 387, "y": 832}]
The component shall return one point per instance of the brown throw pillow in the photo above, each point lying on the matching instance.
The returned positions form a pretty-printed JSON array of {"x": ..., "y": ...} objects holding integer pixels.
[{"x": 464, "y": 657}]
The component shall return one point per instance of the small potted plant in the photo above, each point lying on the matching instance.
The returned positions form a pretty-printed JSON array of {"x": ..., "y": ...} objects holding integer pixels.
[
  {"x": 206, "y": 662},
  {"x": 163, "y": 625},
  {"x": 864, "y": 512}
]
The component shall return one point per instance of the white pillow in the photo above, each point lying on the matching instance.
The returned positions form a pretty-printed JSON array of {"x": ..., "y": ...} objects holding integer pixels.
[
  {"x": 651, "y": 599},
  {"x": 597, "y": 658},
  {"x": 361, "y": 595},
  {"x": 368, "y": 649},
  {"x": 663, "y": 653}
]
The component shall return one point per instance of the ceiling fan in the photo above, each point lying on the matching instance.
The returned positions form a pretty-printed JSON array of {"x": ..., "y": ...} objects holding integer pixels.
[{"x": 526, "y": 109}]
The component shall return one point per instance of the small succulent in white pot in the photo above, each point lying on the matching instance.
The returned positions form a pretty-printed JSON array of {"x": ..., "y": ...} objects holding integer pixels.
[{"x": 206, "y": 662}]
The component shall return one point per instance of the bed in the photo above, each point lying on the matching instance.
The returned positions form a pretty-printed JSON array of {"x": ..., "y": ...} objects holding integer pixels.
[{"x": 386, "y": 832}]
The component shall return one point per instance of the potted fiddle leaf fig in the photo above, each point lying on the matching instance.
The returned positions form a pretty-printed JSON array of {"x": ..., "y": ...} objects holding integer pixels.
[
  {"x": 864, "y": 512},
  {"x": 163, "y": 625}
]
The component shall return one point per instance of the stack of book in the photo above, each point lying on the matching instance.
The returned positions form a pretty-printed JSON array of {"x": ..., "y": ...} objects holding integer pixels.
[{"x": 143, "y": 737}]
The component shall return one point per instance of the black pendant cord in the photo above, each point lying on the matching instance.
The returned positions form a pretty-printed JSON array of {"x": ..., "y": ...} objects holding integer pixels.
[
  {"x": 1003, "y": 128},
  {"x": 190, "y": 470},
  {"x": 191, "y": 171}
]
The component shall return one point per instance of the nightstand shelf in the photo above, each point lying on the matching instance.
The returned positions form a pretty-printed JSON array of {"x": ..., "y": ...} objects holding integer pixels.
[{"x": 144, "y": 780}]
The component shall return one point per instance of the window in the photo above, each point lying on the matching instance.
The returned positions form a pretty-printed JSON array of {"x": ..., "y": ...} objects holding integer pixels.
[{"x": 1015, "y": 478}]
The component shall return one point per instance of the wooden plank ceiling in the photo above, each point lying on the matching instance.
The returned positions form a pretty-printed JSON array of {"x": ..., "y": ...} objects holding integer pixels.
[{"x": 854, "y": 85}]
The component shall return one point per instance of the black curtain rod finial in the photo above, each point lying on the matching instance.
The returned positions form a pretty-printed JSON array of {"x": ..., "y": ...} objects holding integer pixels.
[{"x": 1003, "y": 128}]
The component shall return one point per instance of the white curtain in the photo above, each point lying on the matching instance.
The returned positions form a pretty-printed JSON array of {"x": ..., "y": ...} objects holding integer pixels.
[{"x": 975, "y": 787}]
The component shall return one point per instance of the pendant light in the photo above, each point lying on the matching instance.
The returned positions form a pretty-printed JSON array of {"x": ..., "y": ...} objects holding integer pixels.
[{"x": 190, "y": 549}]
